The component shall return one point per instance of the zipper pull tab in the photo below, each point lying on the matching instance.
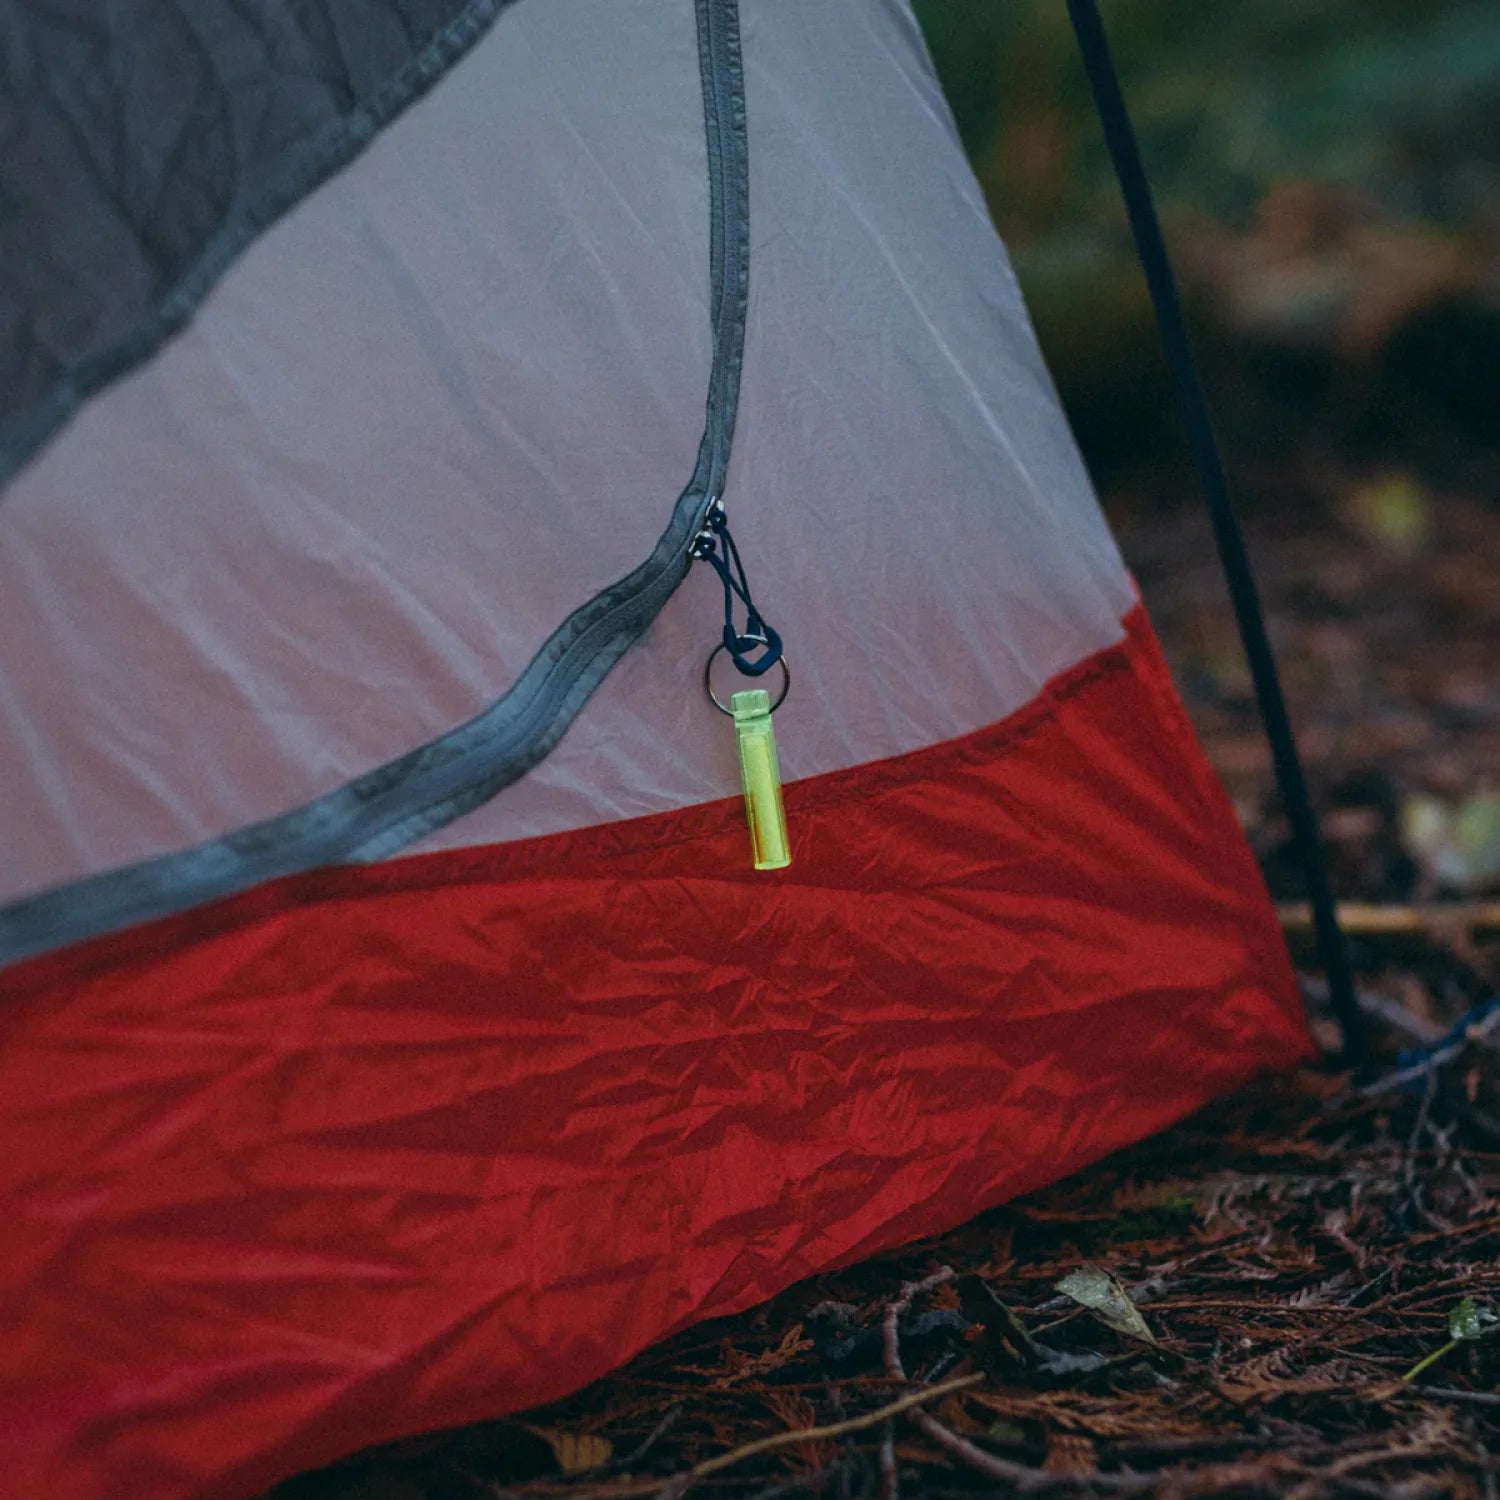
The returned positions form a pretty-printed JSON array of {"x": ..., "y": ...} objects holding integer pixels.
[{"x": 761, "y": 776}]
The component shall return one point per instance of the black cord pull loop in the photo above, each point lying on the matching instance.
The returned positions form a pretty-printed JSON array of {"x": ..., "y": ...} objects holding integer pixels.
[{"x": 715, "y": 546}]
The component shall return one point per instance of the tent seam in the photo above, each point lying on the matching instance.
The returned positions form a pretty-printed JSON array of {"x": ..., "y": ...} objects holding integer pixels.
[{"x": 608, "y": 842}]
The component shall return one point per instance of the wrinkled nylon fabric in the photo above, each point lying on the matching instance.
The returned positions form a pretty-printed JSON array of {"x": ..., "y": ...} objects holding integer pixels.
[
  {"x": 147, "y": 142},
  {"x": 377, "y": 1150},
  {"x": 456, "y": 392}
]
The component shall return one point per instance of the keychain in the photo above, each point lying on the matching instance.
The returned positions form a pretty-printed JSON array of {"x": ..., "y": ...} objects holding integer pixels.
[
  {"x": 754, "y": 651},
  {"x": 760, "y": 772}
]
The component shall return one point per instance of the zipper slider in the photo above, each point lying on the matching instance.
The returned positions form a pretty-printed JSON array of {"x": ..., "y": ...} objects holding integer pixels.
[
  {"x": 705, "y": 539},
  {"x": 760, "y": 775}
]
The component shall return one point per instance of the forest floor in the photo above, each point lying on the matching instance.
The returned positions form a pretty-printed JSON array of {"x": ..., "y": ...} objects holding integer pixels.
[{"x": 1291, "y": 1294}]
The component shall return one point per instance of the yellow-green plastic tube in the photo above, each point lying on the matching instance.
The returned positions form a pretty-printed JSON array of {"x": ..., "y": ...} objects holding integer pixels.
[{"x": 761, "y": 777}]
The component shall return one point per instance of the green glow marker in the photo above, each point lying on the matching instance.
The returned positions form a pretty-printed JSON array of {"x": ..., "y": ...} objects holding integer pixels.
[{"x": 761, "y": 777}]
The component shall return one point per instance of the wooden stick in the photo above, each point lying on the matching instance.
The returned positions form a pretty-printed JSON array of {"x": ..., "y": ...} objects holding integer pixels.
[
  {"x": 678, "y": 1484},
  {"x": 1448, "y": 1393},
  {"x": 795, "y": 1436},
  {"x": 1365, "y": 919},
  {"x": 1021, "y": 1478}
]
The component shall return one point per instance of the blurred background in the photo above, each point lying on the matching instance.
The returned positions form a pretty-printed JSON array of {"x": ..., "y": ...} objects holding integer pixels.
[
  {"x": 1329, "y": 178},
  {"x": 1330, "y": 174}
]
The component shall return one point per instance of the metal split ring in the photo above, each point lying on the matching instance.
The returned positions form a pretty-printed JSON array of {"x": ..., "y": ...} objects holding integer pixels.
[{"x": 708, "y": 678}]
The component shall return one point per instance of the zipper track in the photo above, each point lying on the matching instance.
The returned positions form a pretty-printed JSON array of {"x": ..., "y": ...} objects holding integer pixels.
[{"x": 390, "y": 807}]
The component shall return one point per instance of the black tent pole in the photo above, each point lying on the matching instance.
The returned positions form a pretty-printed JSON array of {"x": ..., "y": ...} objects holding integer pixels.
[{"x": 1333, "y": 951}]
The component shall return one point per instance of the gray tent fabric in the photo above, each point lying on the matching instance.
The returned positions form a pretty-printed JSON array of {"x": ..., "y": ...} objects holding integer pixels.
[
  {"x": 147, "y": 142},
  {"x": 415, "y": 428},
  {"x": 389, "y": 806}
]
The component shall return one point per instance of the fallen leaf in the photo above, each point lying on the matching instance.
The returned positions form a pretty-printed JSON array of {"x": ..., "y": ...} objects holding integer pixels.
[
  {"x": 575, "y": 1451},
  {"x": 1095, "y": 1289}
]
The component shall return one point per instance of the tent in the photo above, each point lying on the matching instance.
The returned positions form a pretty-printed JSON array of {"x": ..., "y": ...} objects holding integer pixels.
[{"x": 397, "y": 1030}]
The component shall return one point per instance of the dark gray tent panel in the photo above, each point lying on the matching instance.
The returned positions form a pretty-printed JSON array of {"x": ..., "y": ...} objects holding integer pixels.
[{"x": 147, "y": 144}]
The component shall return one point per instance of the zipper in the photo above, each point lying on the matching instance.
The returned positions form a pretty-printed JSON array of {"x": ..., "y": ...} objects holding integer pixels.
[
  {"x": 390, "y": 807},
  {"x": 636, "y": 600}
]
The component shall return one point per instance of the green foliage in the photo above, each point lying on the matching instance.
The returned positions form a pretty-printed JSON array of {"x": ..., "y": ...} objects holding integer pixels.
[
  {"x": 1468, "y": 1322},
  {"x": 1229, "y": 100}
]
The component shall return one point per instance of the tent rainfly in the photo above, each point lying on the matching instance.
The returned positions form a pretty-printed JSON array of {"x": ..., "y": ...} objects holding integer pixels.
[{"x": 398, "y": 1030}]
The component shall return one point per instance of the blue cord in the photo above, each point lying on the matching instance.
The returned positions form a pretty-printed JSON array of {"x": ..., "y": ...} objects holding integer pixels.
[
  {"x": 716, "y": 547},
  {"x": 1416, "y": 1056}
]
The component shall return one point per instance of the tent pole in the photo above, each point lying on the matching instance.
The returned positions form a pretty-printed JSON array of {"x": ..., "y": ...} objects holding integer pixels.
[{"x": 1145, "y": 226}]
